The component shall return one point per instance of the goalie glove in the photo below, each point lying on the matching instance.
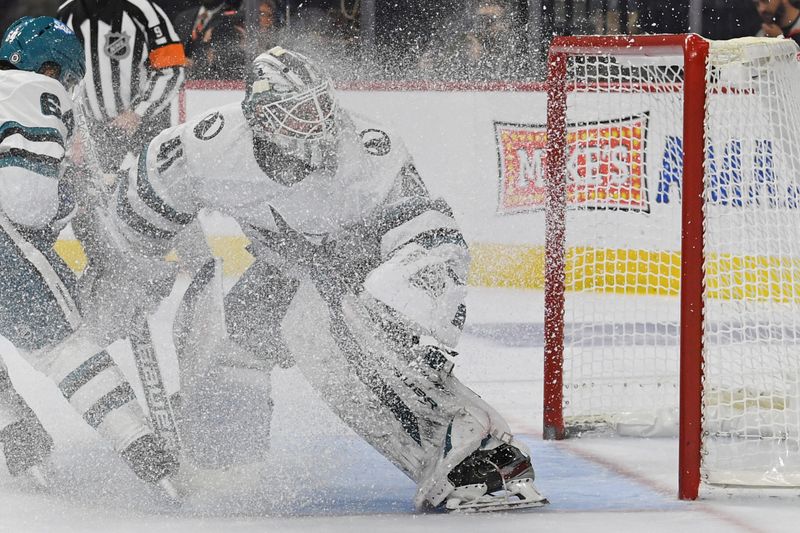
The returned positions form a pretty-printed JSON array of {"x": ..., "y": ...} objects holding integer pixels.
[
  {"x": 426, "y": 288},
  {"x": 423, "y": 271},
  {"x": 409, "y": 255}
]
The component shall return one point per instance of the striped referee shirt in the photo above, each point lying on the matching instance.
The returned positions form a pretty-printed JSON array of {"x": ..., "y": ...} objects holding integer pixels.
[{"x": 134, "y": 57}]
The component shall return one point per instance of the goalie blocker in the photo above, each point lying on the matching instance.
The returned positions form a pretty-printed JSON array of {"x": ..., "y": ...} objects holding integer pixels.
[{"x": 359, "y": 275}]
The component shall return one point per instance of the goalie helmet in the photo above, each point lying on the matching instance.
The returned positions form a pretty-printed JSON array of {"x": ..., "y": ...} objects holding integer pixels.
[
  {"x": 287, "y": 96},
  {"x": 32, "y": 43}
]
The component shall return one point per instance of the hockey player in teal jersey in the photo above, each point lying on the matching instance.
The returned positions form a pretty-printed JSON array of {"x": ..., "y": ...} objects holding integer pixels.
[
  {"x": 36, "y": 123},
  {"x": 41, "y": 60}
]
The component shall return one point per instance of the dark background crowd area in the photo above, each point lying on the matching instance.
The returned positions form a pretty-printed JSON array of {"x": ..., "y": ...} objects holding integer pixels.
[{"x": 453, "y": 40}]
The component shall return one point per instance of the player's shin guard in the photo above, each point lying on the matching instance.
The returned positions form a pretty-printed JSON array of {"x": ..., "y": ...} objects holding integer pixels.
[
  {"x": 97, "y": 389},
  {"x": 401, "y": 397}
]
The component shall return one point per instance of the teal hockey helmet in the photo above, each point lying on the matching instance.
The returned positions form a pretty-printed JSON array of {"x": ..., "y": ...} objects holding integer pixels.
[{"x": 32, "y": 42}]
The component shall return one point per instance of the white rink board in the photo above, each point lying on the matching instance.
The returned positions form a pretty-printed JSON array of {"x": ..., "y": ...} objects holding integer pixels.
[{"x": 451, "y": 135}]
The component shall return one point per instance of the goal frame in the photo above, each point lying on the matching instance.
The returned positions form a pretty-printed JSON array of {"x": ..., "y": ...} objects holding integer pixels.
[{"x": 694, "y": 50}]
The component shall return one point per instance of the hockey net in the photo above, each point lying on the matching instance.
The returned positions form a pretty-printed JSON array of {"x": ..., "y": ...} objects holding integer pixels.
[{"x": 673, "y": 249}]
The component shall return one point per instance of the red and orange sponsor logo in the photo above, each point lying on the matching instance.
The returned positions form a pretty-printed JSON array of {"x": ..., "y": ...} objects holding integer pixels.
[{"x": 604, "y": 165}]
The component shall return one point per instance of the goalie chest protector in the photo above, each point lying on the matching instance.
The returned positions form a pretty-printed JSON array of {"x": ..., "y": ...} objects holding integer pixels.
[{"x": 224, "y": 174}]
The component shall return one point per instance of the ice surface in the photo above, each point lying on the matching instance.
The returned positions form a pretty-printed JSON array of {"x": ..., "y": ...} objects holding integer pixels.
[{"x": 321, "y": 477}]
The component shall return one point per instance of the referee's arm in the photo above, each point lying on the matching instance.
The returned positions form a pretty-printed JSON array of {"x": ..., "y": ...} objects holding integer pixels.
[{"x": 165, "y": 64}]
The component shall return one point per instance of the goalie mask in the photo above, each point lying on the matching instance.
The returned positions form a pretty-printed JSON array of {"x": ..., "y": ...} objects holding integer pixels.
[{"x": 289, "y": 104}]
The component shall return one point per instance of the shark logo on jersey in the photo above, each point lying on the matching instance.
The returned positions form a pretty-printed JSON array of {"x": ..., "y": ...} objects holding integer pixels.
[
  {"x": 209, "y": 127},
  {"x": 118, "y": 45},
  {"x": 376, "y": 142}
]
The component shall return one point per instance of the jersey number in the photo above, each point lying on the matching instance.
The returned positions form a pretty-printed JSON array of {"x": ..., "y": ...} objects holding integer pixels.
[
  {"x": 51, "y": 105},
  {"x": 169, "y": 152}
]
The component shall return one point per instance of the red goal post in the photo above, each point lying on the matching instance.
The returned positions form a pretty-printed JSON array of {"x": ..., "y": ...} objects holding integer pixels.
[{"x": 668, "y": 75}]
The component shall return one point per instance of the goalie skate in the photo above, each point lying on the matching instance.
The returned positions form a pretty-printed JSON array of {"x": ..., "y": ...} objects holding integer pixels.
[{"x": 493, "y": 480}]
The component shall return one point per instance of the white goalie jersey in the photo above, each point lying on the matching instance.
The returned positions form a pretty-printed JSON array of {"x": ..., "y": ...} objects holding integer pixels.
[{"x": 364, "y": 210}]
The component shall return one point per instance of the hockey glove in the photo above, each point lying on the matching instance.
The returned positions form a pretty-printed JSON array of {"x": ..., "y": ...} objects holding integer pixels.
[
  {"x": 25, "y": 444},
  {"x": 149, "y": 459}
]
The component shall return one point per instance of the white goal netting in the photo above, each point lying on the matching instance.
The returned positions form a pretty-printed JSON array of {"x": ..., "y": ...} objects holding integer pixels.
[{"x": 623, "y": 242}]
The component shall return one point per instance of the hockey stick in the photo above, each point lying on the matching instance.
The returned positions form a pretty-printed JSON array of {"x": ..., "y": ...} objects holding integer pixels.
[
  {"x": 155, "y": 394},
  {"x": 156, "y": 398}
]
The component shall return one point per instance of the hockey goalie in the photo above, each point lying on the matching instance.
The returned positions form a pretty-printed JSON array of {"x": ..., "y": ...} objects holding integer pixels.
[{"x": 359, "y": 280}]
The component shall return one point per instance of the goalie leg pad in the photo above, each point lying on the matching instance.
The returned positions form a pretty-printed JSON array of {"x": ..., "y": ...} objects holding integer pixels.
[
  {"x": 225, "y": 405},
  {"x": 426, "y": 287},
  {"x": 347, "y": 379},
  {"x": 412, "y": 411},
  {"x": 225, "y": 418}
]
